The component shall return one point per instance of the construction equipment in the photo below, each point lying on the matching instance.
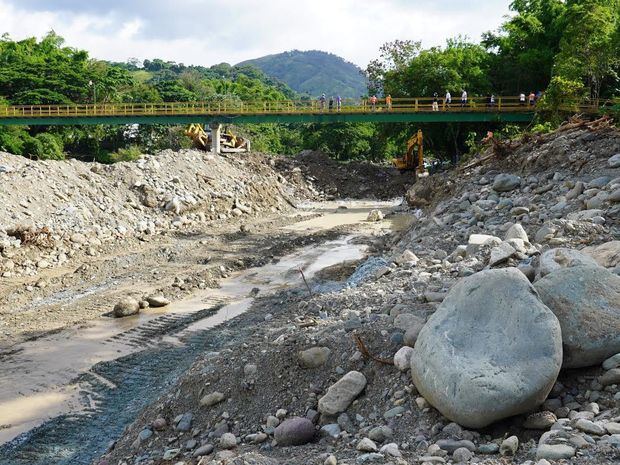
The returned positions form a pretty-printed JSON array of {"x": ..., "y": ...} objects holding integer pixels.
[
  {"x": 414, "y": 158},
  {"x": 229, "y": 142}
]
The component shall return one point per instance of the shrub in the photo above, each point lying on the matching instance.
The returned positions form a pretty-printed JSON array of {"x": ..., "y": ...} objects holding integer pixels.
[{"x": 130, "y": 153}]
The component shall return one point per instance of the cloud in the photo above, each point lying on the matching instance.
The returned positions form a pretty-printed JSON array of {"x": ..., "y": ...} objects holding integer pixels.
[{"x": 212, "y": 31}]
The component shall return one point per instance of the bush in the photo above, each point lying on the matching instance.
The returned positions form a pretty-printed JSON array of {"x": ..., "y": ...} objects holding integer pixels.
[
  {"x": 53, "y": 148},
  {"x": 130, "y": 153},
  {"x": 12, "y": 141}
]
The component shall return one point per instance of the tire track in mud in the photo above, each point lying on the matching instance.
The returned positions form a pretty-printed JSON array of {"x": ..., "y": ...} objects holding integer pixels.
[{"x": 114, "y": 392}]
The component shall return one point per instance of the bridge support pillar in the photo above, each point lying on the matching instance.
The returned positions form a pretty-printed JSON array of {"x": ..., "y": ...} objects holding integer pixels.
[{"x": 216, "y": 133}]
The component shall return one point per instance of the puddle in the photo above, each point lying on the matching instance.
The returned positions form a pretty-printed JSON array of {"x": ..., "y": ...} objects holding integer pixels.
[{"x": 35, "y": 377}]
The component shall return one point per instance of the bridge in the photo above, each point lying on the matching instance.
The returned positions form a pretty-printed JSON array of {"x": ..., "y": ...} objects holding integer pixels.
[{"x": 412, "y": 110}]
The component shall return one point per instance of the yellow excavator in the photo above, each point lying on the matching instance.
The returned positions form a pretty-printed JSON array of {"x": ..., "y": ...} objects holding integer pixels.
[
  {"x": 413, "y": 160},
  {"x": 229, "y": 141}
]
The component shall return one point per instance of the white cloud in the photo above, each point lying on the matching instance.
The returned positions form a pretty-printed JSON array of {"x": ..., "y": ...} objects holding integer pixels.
[{"x": 212, "y": 31}]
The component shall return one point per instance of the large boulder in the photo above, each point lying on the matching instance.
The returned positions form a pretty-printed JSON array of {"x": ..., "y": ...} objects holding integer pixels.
[
  {"x": 126, "y": 307},
  {"x": 586, "y": 300},
  {"x": 506, "y": 182},
  {"x": 607, "y": 254},
  {"x": 491, "y": 350},
  {"x": 294, "y": 432},
  {"x": 556, "y": 259}
]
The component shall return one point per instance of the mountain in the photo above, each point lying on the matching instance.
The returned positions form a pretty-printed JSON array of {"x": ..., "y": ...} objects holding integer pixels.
[{"x": 313, "y": 72}]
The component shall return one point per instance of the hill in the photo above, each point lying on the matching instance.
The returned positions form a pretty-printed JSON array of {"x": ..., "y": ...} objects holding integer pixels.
[{"x": 313, "y": 72}]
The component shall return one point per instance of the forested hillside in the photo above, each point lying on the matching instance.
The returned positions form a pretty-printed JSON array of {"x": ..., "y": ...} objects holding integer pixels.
[{"x": 313, "y": 73}]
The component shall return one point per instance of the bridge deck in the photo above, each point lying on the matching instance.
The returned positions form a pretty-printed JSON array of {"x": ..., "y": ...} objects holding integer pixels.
[{"x": 505, "y": 109}]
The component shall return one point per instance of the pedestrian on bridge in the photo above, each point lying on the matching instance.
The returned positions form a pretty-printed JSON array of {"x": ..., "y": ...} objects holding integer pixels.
[
  {"x": 388, "y": 102},
  {"x": 331, "y": 103},
  {"x": 532, "y": 98},
  {"x": 338, "y": 103},
  {"x": 373, "y": 103},
  {"x": 522, "y": 99},
  {"x": 448, "y": 100},
  {"x": 435, "y": 102},
  {"x": 322, "y": 100},
  {"x": 464, "y": 99}
]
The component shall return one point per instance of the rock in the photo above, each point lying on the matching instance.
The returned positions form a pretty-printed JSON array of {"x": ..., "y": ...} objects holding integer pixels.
[
  {"x": 394, "y": 412},
  {"x": 610, "y": 377},
  {"x": 257, "y": 438},
  {"x": 407, "y": 257},
  {"x": 488, "y": 449},
  {"x": 391, "y": 450},
  {"x": 542, "y": 462},
  {"x": 145, "y": 434},
  {"x": 171, "y": 454},
  {"x": 462, "y": 455},
  {"x": 475, "y": 380},
  {"x": 380, "y": 433},
  {"x": 366, "y": 445},
  {"x": 375, "y": 215},
  {"x": 369, "y": 458},
  {"x": 612, "y": 427},
  {"x": 184, "y": 422},
  {"x": 554, "y": 451},
  {"x": 557, "y": 259},
  {"x": 341, "y": 394},
  {"x": 314, "y": 357},
  {"x": 203, "y": 450},
  {"x": 212, "y": 399},
  {"x": 586, "y": 301},
  {"x": 589, "y": 427},
  {"x": 126, "y": 307},
  {"x": 228, "y": 441},
  {"x": 405, "y": 321},
  {"x": 294, "y": 432},
  {"x": 544, "y": 233},
  {"x": 612, "y": 362},
  {"x": 540, "y": 420},
  {"x": 450, "y": 445},
  {"x": 516, "y": 231},
  {"x": 584, "y": 215},
  {"x": 501, "y": 253},
  {"x": 331, "y": 431},
  {"x": 411, "y": 335},
  {"x": 157, "y": 301},
  {"x": 506, "y": 182},
  {"x": 402, "y": 358},
  {"x": 509, "y": 446},
  {"x": 606, "y": 255},
  {"x": 614, "y": 162},
  {"x": 331, "y": 460},
  {"x": 159, "y": 424}
]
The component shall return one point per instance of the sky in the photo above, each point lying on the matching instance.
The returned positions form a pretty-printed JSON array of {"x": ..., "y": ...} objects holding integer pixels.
[{"x": 208, "y": 32}]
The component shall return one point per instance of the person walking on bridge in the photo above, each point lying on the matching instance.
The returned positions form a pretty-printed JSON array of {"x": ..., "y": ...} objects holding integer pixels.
[
  {"x": 522, "y": 99},
  {"x": 388, "y": 102},
  {"x": 322, "y": 100},
  {"x": 532, "y": 98},
  {"x": 448, "y": 100},
  {"x": 331, "y": 103},
  {"x": 338, "y": 103},
  {"x": 373, "y": 103},
  {"x": 464, "y": 99},
  {"x": 435, "y": 102}
]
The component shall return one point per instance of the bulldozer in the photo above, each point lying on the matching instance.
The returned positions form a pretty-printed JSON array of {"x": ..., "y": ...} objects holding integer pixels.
[
  {"x": 413, "y": 160},
  {"x": 229, "y": 142}
]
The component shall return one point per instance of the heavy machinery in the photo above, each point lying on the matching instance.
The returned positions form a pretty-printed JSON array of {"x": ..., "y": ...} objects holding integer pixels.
[
  {"x": 229, "y": 142},
  {"x": 413, "y": 160}
]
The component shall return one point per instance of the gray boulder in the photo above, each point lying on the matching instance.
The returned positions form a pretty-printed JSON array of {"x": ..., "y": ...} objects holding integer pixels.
[
  {"x": 294, "y": 432},
  {"x": 557, "y": 259},
  {"x": 314, "y": 357},
  {"x": 614, "y": 162},
  {"x": 586, "y": 300},
  {"x": 506, "y": 182},
  {"x": 491, "y": 350},
  {"x": 157, "y": 301},
  {"x": 126, "y": 307}
]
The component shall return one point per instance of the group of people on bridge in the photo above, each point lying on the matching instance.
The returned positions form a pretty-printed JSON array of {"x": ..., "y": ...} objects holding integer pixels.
[{"x": 373, "y": 102}]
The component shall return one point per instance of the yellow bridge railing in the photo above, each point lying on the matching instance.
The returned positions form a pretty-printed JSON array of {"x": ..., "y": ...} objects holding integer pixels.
[{"x": 233, "y": 107}]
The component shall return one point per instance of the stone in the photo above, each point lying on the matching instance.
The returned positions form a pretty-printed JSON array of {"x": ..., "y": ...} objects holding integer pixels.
[
  {"x": 473, "y": 379},
  {"x": 606, "y": 255},
  {"x": 369, "y": 458},
  {"x": 157, "y": 301},
  {"x": 586, "y": 301},
  {"x": 342, "y": 393},
  {"x": 506, "y": 182},
  {"x": 585, "y": 215},
  {"x": 540, "y": 420},
  {"x": 295, "y": 431},
  {"x": 614, "y": 162},
  {"x": 207, "y": 449},
  {"x": 488, "y": 449},
  {"x": 501, "y": 253},
  {"x": 610, "y": 377},
  {"x": 171, "y": 454},
  {"x": 331, "y": 431},
  {"x": 407, "y": 257},
  {"x": 314, "y": 357},
  {"x": 462, "y": 455},
  {"x": 184, "y": 422},
  {"x": 450, "y": 445},
  {"x": 405, "y": 321},
  {"x": 126, "y": 307},
  {"x": 402, "y": 358},
  {"x": 375, "y": 215},
  {"x": 589, "y": 427},
  {"x": 557, "y": 259},
  {"x": 212, "y": 399},
  {"x": 228, "y": 441},
  {"x": 411, "y": 334},
  {"x": 612, "y": 427},
  {"x": 391, "y": 450},
  {"x": 159, "y": 424},
  {"x": 380, "y": 433},
  {"x": 366, "y": 445},
  {"x": 509, "y": 446},
  {"x": 331, "y": 460},
  {"x": 554, "y": 451},
  {"x": 394, "y": 412},
  {"x": 612, "y": 362},
  {"x": 145, "y": 434},
  {"x": 516, "y": 231}
]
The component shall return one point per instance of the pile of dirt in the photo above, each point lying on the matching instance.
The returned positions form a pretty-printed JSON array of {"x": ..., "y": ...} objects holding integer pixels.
[
  {"x": 352, "y": 180},
  {"x": 561, "y": 191}
]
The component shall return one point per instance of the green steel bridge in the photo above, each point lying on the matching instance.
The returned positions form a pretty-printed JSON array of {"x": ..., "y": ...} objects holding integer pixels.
[{"x": 414, "y": 110}]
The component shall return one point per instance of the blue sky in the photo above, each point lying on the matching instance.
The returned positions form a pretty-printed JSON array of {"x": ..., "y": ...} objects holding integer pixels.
[{"x": 207, "y": 32}]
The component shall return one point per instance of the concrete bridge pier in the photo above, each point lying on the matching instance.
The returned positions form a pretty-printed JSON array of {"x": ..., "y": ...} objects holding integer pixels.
[{"x": 216, "y": 136}]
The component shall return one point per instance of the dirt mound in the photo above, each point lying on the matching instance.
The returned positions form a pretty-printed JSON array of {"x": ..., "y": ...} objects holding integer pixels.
[{"x": 354, "y": 180}]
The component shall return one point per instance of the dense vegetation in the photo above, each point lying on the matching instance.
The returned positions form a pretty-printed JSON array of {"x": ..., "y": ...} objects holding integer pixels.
[
  {"x": 314, "y": 72},
  {"x": 570, "y": 49}
]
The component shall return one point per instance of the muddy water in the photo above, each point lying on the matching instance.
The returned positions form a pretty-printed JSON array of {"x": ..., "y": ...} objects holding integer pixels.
[{"x": 35, "y": 378}]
